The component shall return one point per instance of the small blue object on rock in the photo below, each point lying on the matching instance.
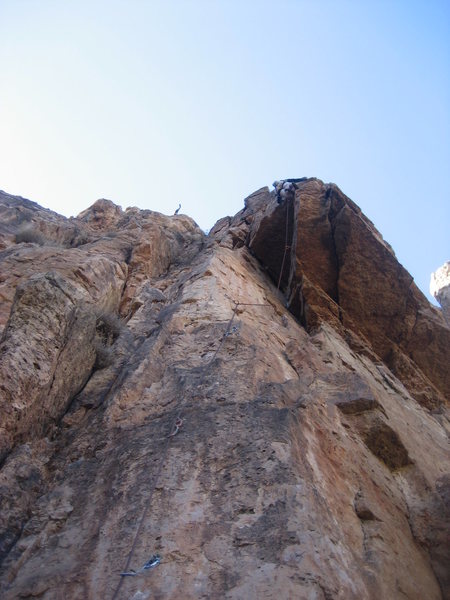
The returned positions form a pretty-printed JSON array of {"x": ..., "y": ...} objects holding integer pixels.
[{"x": 152, "y": 562}]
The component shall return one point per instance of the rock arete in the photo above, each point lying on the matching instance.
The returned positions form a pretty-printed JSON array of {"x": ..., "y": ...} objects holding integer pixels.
[{"x": 257, "y": 413}]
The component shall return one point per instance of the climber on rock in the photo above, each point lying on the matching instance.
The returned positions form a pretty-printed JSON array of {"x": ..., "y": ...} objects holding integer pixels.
[
  {"x": 285, "y": 190},
  {"x": 278, "y": 185}
]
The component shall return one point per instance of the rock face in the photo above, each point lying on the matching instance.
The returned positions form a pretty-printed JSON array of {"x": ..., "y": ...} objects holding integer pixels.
[
  {"x": 440, "y": 288},
  {"x": 265, "y": 408}
]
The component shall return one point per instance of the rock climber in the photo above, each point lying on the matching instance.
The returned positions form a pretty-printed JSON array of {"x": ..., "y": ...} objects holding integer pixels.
[{"x": 284, "y": 189}]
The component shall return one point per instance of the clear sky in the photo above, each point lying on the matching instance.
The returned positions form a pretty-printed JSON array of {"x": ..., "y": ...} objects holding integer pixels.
[{"x": 153, "y": 103}]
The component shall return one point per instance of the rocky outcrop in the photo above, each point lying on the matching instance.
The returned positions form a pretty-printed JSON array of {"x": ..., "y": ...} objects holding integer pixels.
[
  {"x": 440, "y": 288},
  {"x": 339, "y": 269},
  {"x": 264, "y": 408}
]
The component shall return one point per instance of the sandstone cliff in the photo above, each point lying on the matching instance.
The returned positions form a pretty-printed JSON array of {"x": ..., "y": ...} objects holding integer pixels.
[{"x": 301, "y": 373}]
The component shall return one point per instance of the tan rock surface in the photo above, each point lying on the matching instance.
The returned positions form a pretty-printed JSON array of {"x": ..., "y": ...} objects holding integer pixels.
[
  {"x": 440, "y": 288},
  {"x": 304, "y": 467}
]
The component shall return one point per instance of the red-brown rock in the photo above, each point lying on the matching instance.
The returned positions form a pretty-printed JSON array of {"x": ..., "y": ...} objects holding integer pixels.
[{"x": 307, "y": 463}]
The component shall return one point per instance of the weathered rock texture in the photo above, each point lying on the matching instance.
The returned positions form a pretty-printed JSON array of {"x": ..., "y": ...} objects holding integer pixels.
[
  {"x": 440, "y": 288},
  {"x": 312, "y": 459}
]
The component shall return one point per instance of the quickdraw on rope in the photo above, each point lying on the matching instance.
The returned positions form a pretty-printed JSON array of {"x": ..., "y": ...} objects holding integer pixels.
[
  {"x": 156, "y": 559},
  {"x": 152, "y": 562},
  {"x": 176, "y": 428},
  {"x": 178, "y": 423}
]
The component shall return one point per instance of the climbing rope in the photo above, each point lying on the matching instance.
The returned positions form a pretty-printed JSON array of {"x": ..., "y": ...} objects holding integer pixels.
[
  {"x": 156, "y": 559},
  {"x": 141, "y": 523},
  {"x": 225, "y": 335},
  {"x": 286, "y": 247},
  {"x": 178, "y": 423},
  {"x": 176, "y": 428},
  {"x": 152, "y": 562}
]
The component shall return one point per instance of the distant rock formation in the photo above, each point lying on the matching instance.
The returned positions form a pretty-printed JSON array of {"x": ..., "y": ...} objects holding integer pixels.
[
  {"x": 264, "y": 408},
  {"x": 440, "y": 288}
]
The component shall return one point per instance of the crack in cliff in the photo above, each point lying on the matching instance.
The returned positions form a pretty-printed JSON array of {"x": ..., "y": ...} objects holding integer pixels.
[
  {"x": 68, "y": 331},
  {"x": 332, "y": 216},
  {"x": 245, "y": 451}
]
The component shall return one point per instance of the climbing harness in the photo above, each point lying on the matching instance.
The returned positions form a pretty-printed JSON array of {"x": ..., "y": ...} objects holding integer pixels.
[
  {"x": 152, "y": 562},
  {"x": 176, "y": 428}
]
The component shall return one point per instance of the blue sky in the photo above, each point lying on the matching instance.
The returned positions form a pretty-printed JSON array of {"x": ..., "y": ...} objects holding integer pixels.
[{"x": 154, "y": 103}]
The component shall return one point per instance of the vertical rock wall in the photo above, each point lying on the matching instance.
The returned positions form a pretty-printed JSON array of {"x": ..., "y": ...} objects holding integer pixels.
[{"x": 310, "y": 451}]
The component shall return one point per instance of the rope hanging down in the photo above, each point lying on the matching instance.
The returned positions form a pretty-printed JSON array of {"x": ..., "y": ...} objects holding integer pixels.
[
  {"x": 178, "y": 422},
  {"x": 156, "y": 559},
  {"x": 127, "y": 570},
  {"x": 286, "y": 247}
]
